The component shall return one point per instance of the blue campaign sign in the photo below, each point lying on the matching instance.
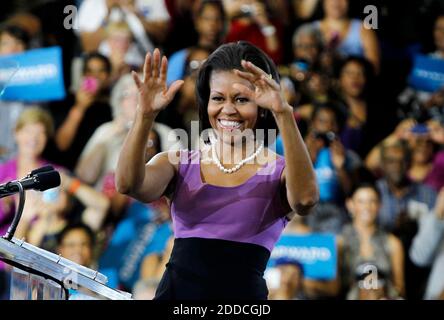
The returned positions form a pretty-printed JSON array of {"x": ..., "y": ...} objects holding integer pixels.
[
  {"x": 37, "y": 75},
  {"x": 315, "y": 252},
  {"x": 427, "y": 73}
]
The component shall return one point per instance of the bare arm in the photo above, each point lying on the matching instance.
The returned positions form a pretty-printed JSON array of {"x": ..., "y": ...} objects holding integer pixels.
[
  {"x": 371, "y": 47},
  {"x": 96, "y": 204},
  {"x": 397, "y": 260},
  {"x": 147, "y": 182},
  {"x": 66, "y": 134},
  {"x": 298, "y": 177},
  {"x": 90, "y": 165}
]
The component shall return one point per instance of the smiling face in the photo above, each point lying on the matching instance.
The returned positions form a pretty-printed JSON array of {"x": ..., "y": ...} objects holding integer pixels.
[
  {"x": 31, "y": 140},
  {"x": 76, "y": 246},
  {"x": 364, "y": 206},
  {"x": 229, "y": 111}
]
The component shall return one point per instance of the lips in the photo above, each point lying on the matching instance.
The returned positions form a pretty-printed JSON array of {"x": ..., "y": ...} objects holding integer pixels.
[{"x": 229, "y": 124}]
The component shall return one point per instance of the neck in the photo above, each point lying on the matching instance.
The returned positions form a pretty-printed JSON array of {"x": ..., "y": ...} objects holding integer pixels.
[
  {"x": 339, "y": 22},
  {"x": 398, "y": 189},
  {"x": 24, "y": 161},
  {"x": 231, "y": 154},
  {"x": 25, "y": 165},
  {"x": 364, "y": 229},
  {"x": 353, "y": 99},
  {"x": 207, "y": 43}
]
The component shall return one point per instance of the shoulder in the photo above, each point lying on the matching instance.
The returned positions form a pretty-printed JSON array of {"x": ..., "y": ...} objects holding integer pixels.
[
  {"x": 8, "y": 169},
  {"x": 366, "y": 33},
  {"x": 168, "y": 158},
  {"x": 394, "y": 243}
]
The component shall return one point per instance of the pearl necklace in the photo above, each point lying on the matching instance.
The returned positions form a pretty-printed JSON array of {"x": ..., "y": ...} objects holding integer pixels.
[{"x": 239, "y": 165}]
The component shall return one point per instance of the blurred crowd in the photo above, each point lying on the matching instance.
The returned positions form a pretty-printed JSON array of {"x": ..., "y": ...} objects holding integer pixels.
[{"x": 375, "y": 141}]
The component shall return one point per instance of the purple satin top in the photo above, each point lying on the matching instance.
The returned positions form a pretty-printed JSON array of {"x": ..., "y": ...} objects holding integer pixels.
[{"x": 250, "y": 213}]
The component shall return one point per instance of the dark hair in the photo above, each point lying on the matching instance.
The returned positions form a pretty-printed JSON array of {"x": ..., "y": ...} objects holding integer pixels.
[
  {"x": 340, "y": 114},
  {"x": 289, "y": 261},
  {"x": 365, "y": 185},
  {"x": 96, "y": 55},
  {"x": 18, "y": 33},
  {"x": 76, "y": 226},
  {"x": 226, "y": 58},
  {"x": 369, "y": 71}
]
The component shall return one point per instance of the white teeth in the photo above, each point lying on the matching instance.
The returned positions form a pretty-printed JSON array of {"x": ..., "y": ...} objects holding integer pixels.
[{"x": 230, "y": 124}]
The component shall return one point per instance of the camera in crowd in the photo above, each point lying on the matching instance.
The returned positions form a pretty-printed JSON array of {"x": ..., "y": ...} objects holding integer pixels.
[
  {"x": 327, "y": 137},
  {"x": 247, "y": 10}
]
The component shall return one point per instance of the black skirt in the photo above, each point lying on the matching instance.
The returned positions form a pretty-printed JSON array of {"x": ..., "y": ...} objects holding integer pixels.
[{"x": 211, "y": 269}]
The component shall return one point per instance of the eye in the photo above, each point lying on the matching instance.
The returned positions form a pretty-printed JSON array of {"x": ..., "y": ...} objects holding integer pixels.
[
  {"x": 217, "y": 98},
  {"x": 242, "y": 100}
]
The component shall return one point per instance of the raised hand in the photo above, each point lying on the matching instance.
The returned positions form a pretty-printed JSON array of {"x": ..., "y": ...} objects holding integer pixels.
[
  {"x": 154, "y": 95},
  {"x": 267, "y": 93}
]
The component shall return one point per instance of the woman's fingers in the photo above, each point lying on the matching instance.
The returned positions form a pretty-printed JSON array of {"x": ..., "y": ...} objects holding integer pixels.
[
  {"x": 156, "y": 63},
  {"x": 243, "y": 89},
  {"x": 136, "y": 79},
  {"x": 246, "y": 75},
  {"x": 253, "y": 69},
  {"x": 163, "y": 68},
  {"x": 272, "y": 83},
  {"x": 147, "y": 67},
  {"x": 172, "y": 90}
]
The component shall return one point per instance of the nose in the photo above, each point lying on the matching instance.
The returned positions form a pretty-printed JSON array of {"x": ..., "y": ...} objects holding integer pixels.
[{"x": 228, "y": 108}]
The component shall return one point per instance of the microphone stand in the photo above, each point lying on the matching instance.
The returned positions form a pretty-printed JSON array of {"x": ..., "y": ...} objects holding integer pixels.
[{"x": 11, "y": 230}]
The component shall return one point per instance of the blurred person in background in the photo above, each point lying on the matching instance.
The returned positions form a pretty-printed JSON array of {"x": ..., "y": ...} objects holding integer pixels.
[
  {"x": 334, "y": 166},
  {"x": 76, "y": 243},
  {"x": 80, "y": 114},
  {"x": 73, "y": 201},
  {"x": 428, "y": 249},
  {"x": 346, "y": 36},
  {"x": 291, "y": 276},
  {"x": 419, "y": 104},
  {"x": 423, "y": 141},
  {"x": 209, "y": 22},
  {"x": 13, "y": 40},
  {"x": 315, "y": 289},
  {"x": 117, "y": 48},
  {"x": 364, "y": 242},
  {"x": 354, "y": 90},
  {"x": 32, "y": 130},
  {"x": 403, "y": 205},
  {"x": 253, "y": 21},
  {"x": 148, "y": 21}
]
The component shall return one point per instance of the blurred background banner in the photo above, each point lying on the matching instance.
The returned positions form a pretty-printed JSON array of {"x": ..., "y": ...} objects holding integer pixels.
[
  {"x": 315, "y": 252},
  {"x": 39, "y": 77},
  {"x": 427, "y": 73}
]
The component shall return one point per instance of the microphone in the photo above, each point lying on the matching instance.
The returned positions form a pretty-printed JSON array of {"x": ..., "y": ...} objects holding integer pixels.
[
  {"x": 40, "y": 181},
  {"x": 38, "y": 170}
]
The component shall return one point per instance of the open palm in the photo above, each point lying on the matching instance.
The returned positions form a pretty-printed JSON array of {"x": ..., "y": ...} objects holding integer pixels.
[
  {"x": 154, "y": 95},
  {"x": 267, "y": 92}
]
